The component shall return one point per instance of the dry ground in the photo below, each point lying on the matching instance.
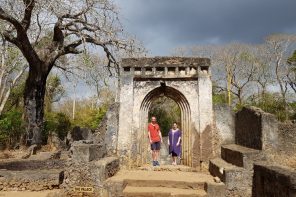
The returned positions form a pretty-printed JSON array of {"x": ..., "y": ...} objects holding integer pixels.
[{"x": 46, "y": 193}]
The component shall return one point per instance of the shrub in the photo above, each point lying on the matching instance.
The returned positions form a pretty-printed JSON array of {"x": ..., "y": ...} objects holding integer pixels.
[
  {"x": 56, "y": 122},
  {"x": 11, "y": 127}
]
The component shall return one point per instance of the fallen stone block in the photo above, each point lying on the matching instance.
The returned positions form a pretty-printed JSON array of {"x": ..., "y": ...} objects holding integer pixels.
[{"x": 85, "y": 152}]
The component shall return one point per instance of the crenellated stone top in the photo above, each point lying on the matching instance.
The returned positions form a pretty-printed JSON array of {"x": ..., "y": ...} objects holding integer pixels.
[{"x": 165, "y": 67}]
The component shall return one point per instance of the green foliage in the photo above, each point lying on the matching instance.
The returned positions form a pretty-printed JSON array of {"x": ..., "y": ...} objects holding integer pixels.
[
  {"x": 167, "y": 112},
  {"x": 219, "y": 99},
  {"x": 218, "y": 96},
  {"x": 293, "y": 110},
  {"x": 271, "y": 103},
  {"x": 54, "y": 91},
  {"x": 89, "y": 117},
  {"x": 56, "y": 122},
  {"x": 292, "y": 59},
  {"x": 11, "y": 127},
  {"x": 16, "y": 99}
]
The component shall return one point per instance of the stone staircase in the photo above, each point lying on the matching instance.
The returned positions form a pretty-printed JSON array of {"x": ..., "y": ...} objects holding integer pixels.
[
  {"x": 235, "y": 167},
  {"x": 163, "y": 181}
]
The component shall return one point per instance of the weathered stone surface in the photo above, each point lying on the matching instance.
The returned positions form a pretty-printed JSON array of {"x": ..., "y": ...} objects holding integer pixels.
[
  {"x": 34, "y": 180},
  {"x": 165, "y": 61},
  {"x": 287, "y": 137},
  {"x": 185, "y": 80},
  {"x": 32, "y": 150},
  {"x": 85, "y": 151},
  {"x": 271, "y": 180},
  {"x": 30, "y": 164},
  {"x": 240, "y": 156},
  {"x": 89, "y": 174},
  {"x": 55, "y": 142},
  {"x": 225, "y": 123},
  {"x": 78, "y": 133},
  {"x": 215, "y": 189},
  {"x": 107, "y": 131},
  {"x": 235, "y": 178},
  {"x": 256, "y": 129},
  {"x": 162, "y": 183}
]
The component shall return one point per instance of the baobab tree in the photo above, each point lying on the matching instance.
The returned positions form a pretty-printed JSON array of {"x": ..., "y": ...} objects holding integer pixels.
[{"x": 46, "y": 30}]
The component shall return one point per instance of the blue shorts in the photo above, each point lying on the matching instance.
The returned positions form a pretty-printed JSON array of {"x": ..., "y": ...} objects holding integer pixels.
[{"x": 155, "y": 146}]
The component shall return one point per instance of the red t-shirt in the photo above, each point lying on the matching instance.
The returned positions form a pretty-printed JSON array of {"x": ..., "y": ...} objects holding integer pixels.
[{"x": 154, "y": 132}]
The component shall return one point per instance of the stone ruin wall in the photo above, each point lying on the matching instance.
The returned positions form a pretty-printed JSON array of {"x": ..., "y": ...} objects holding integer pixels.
[
  {"x": 256, "y": 129},
  {"x": 224, "y": 125},
  {"x": 273, "y": 180},
  {"x": 275, "y": 176},
  {"x": 277, "y": 140}
]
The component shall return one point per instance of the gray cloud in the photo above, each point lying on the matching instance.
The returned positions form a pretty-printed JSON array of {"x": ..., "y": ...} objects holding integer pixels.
[{"x": 166, "y": 24}]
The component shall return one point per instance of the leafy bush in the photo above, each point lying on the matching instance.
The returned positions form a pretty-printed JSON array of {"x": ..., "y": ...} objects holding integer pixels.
[
  {"x": 11, "y": 127},
  {"x": 90, "y": 118},
  {"x": 56, "y": 122},
  {"x": 271, "y": 103}
]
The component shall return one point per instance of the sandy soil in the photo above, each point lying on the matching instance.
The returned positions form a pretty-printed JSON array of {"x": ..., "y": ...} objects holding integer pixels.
[{"x": 46, "y": 193}]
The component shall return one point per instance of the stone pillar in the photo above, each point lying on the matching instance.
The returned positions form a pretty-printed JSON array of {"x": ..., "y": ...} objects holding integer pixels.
[
  {"x": 125, "y": 115},
  {"x": 205, "y": 115}
]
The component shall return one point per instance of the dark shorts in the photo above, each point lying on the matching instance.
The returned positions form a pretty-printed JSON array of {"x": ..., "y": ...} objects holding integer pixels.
[
  {"x": 155, "y": 146},
  {"x": 174, "y": 154}
]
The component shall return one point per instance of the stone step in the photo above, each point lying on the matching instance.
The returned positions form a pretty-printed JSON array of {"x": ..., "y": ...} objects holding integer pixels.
[
  {"x": 167, "y": 180},
  {"x": 233, "y": 176},
  {"x": 34, "y": 180},
  {"x": 144, "y": 178},
  {"x": 131, "y": 191},
  {"x": 171, "y": 168},
  {"x": 240, "y": 156}
]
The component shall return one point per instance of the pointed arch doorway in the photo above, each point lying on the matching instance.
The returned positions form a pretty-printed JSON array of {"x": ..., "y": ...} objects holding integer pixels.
[
  {"x": 179, "y": 98},
  {"x": 186, "y": 81}
]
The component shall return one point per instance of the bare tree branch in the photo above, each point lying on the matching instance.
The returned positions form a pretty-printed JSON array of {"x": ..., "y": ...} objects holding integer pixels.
[{"x": 28, "y": 13}]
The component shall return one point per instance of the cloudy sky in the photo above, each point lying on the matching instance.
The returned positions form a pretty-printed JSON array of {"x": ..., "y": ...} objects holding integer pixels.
[{"x": 166, "y": 24}]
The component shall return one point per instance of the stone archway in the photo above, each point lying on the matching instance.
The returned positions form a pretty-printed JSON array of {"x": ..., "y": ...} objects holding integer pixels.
[
  {"x": 186, "y": 81},
  {"x": 183, "y": 104}
]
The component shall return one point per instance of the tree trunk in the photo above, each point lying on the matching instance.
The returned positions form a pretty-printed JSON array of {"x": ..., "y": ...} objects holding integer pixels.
[{"x": 34, "y": 103}]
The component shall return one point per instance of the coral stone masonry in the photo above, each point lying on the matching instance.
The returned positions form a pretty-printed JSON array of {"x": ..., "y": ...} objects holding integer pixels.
[{"x": 185, "y": 80}]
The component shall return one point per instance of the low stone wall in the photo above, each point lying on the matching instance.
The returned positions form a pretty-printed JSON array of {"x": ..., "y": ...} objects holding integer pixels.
[
  {"x": 27, "y": 164},
  {"x": 270, "y": 180},
  {"x": 31, "y": 174},
  {"x": 33, "y": 180},
  {"x": 256, "y": 129}
]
